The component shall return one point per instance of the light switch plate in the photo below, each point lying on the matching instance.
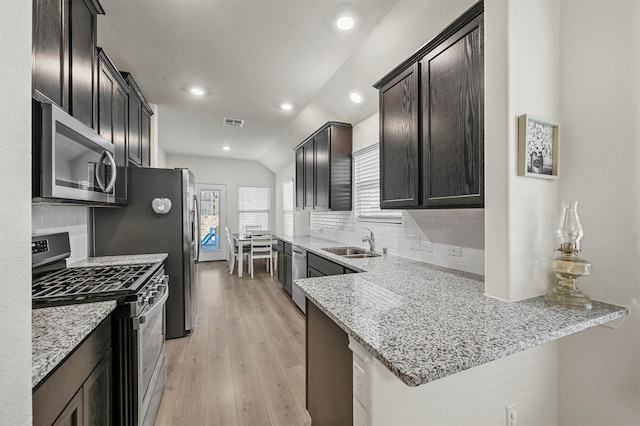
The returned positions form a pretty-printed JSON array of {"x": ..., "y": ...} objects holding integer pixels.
[
  {"x": 426, "y": 246},
  {"x": 455, "y": 251},
  {"x": 359, "y": 378}
]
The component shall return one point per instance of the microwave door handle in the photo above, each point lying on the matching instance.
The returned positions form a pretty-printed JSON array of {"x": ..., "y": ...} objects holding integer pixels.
[
  {"x": 114, "y": 172},
  {"x": 97, "y": 171}
]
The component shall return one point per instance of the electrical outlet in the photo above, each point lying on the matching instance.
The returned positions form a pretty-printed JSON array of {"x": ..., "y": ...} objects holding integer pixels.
[
  {"x": 359, "y": 378},
  {"x": 426, "y": 246},
  {"x": 455, "y": 251},
  {"x": 512, "y": 414},
  {"x": 415, "y": 241}
]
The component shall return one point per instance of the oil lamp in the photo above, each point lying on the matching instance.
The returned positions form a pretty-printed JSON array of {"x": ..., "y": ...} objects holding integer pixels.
[{"x": 567, "y": 266}]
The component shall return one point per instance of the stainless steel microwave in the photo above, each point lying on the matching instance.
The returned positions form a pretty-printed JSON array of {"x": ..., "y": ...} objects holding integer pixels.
[{"x": 71, "y": 162}]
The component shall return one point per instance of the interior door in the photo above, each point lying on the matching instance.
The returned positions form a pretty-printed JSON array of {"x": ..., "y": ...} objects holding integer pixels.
[{"x": 212, "y": 212}]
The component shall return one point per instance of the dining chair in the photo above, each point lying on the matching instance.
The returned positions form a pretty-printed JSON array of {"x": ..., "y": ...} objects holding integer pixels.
[
  {"x": 261, "y": 248},
  {"x": 232, "y": 252}
]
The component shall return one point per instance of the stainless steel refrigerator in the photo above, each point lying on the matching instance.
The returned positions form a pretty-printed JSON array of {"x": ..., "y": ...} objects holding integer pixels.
[{"x": 138, "y": 229}]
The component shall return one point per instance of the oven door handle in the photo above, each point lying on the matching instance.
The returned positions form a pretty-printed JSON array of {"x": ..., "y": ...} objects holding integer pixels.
[{"x": 147, "y": 312}]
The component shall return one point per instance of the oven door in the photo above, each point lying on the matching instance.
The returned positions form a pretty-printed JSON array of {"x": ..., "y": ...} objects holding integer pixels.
[
  {"x": 76, "y": 164},
  {"x": 149, "y": 335}
]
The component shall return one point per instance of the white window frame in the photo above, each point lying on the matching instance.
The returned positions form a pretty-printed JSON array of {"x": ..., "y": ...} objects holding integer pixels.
[
  {"x": 240, "y": 210},
  {"x": 367, "y": 184},
  {"x": 287, "y": 208}
]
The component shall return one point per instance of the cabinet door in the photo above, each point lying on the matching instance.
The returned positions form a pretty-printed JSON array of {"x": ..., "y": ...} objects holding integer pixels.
[
  {"x": 97, "y": 394},
  {"x": 308, "y": 175},
  {"x": 329, "y": 370},
  {"x": 106, "y": 85},
  {"x": 82, "y": 59},
  {"x": 288, "y": 268},
  {"x": 399, "y": 141},
  {"x": 134, "y": 151},
  {"x": 281, "y": 267},
  {"x": 312, "y": 273},
  {"x": 322, "y": 182},
  {"x": 73, "y": 412},
  {"x": 453, "y": 120},
  {"x": 145, "y": 138},
  {"x": 50, "y": 35},
  {"x": 299, "y": 178}
]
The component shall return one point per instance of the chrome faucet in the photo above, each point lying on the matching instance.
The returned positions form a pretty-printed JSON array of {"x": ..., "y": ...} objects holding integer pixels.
[{"x": 371, "y": 239}]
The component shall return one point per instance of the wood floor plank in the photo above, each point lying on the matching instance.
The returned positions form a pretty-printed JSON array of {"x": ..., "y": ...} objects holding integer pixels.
[
  {"x": 243, "y": 363},
  {"x": 281, "y": 405},
  {"x": 251, "y": 408}
]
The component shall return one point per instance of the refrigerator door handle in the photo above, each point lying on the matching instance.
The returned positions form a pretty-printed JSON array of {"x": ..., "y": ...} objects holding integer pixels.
[{"x": 195, "y": 232}]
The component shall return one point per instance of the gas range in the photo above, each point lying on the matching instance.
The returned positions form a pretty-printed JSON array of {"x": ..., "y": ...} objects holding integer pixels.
[{"x": 138, "y": 322}]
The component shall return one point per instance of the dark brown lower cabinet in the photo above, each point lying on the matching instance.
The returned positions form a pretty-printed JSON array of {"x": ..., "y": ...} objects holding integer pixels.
[
  {"x": 79, "y": 390},
  {"x": 329, "y": 370}
]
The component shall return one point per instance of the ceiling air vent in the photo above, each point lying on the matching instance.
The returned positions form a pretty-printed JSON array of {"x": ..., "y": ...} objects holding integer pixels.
[{"x": 232, "y": 122}]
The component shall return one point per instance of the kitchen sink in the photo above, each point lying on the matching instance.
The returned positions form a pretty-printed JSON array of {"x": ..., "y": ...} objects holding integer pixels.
[
  {"x": 351, "y": 252},
  {"x": 360, "y": 255}
]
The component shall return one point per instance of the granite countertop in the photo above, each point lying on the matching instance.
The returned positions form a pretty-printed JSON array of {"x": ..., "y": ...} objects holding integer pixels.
[
  {"x": 132, "y": 259},
  {"x": 425, "y": 322},
  {"x": 57, "y": 331}
]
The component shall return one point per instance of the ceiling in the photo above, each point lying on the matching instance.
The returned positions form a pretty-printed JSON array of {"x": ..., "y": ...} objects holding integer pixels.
[{"x": 250, "y": 56}]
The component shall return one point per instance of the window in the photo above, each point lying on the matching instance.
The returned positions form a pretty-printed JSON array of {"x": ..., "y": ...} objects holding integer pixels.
[
  {"x": 367, "y": 182},
  {"x": 287, "y": 207},
  {"x": 253, "y": 206}
]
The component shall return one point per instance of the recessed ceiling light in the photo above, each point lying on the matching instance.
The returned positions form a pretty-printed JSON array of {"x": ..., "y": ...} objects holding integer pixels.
[
  {"x": 355, "y": 97},
  {"x": 226, "y": 148},
  {"x": 286, "y": 106},
  {"x": 345, "y": 22},
  {"x": 196, "y": 90}
]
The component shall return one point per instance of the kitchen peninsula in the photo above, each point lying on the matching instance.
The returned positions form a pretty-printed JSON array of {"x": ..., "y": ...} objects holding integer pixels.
[{"x": 422, "y": 323}]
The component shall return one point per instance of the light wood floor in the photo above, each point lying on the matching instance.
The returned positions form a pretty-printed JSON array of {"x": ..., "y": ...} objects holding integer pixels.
[{"x": 244, "y": 362}]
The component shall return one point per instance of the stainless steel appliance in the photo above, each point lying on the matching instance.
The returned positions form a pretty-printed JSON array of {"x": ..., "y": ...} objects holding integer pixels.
[
  {"x": 71, "y": 163},
  {"x": 138, "y": 229},
  {"x": 141, "y": 290},
  {"x": 299, "y": 270}
]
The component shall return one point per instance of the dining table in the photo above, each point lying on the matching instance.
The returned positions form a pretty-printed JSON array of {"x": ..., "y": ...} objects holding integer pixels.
[{"x": 243, "y": 241}]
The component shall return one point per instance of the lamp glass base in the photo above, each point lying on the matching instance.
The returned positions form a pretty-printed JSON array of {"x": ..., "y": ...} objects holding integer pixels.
[{"x": 567, "y": 296}]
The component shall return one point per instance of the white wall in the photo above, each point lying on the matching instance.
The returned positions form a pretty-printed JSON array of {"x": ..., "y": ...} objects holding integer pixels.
[
  {"x": 15, "y": 211},
  {"x": 300, "y": 217},
  {"x": 233, "y": 173},
  {"x": 600, "y": 122},
  {"x": 522, "y": 60},
  {"x": 443, "y": 228},
  {"x": 474, "y": 397}
]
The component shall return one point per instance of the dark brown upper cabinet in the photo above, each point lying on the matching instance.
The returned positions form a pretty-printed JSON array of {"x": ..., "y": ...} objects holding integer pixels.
[
  {"x": 432, "y": 122},
  {"x": 453, "y": 120},
  {"x": 64, "y": 55},
  {"x": 323, "y": 169},
  {"x": 113, "y": 115},
  {"x": 139, "y": 124},
  {"x": 400, "y": 140}
]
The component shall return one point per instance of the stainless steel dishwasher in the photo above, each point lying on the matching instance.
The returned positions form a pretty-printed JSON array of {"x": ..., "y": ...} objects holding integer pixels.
[{"x": 299, "y": 270}]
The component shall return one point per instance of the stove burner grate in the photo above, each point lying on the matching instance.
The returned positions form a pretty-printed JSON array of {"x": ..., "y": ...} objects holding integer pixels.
[{"x": 93, "y": 280}]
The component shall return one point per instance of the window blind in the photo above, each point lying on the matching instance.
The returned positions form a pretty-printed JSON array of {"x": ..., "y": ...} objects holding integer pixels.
[
  {"x": 367, "y": 183},
  {"x": 253, "y": 206},
  {"x": 287, "y": 207}
]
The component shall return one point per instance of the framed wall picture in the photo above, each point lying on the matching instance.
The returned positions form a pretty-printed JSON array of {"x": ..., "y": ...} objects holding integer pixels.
[{"x": 538, "y": 154}]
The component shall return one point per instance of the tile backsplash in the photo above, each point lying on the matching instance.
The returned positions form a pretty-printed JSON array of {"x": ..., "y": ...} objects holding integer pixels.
[
  {"x": 72, "y": 219},
  {"x": 444, "y": 229}
]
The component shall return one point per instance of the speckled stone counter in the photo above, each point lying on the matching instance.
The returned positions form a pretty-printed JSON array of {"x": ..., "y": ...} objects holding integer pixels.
[
  {"x": 425, "y": 322},
  {"x": 57, "y": 331},
  {"x": 133, "y": 259}
]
